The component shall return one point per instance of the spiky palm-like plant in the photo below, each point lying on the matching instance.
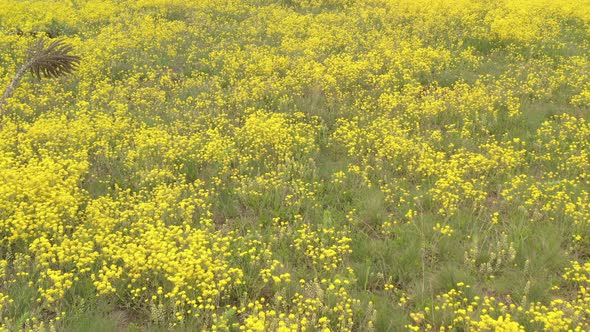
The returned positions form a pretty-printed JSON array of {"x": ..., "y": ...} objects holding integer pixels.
[{"x": 50, "y": 61}]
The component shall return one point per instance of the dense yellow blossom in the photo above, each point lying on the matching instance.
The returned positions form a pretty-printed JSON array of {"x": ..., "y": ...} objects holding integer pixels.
[{"x": 298, "y": 165}]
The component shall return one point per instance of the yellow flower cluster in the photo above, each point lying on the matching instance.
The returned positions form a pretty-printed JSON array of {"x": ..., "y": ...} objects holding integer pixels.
[
  {"x": 462, "y": 309},
  {"x": 302, "y": 165},
  {"x": 319, "y": 305},
  {"x": 323, "y": 249}
]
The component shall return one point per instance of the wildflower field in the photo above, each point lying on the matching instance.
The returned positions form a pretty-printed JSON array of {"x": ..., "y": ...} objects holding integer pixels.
[{"x": 297, "y": 165}]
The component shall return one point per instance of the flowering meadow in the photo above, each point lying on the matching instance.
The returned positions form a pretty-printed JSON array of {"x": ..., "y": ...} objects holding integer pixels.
[{"x": 297, "y": 165}]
